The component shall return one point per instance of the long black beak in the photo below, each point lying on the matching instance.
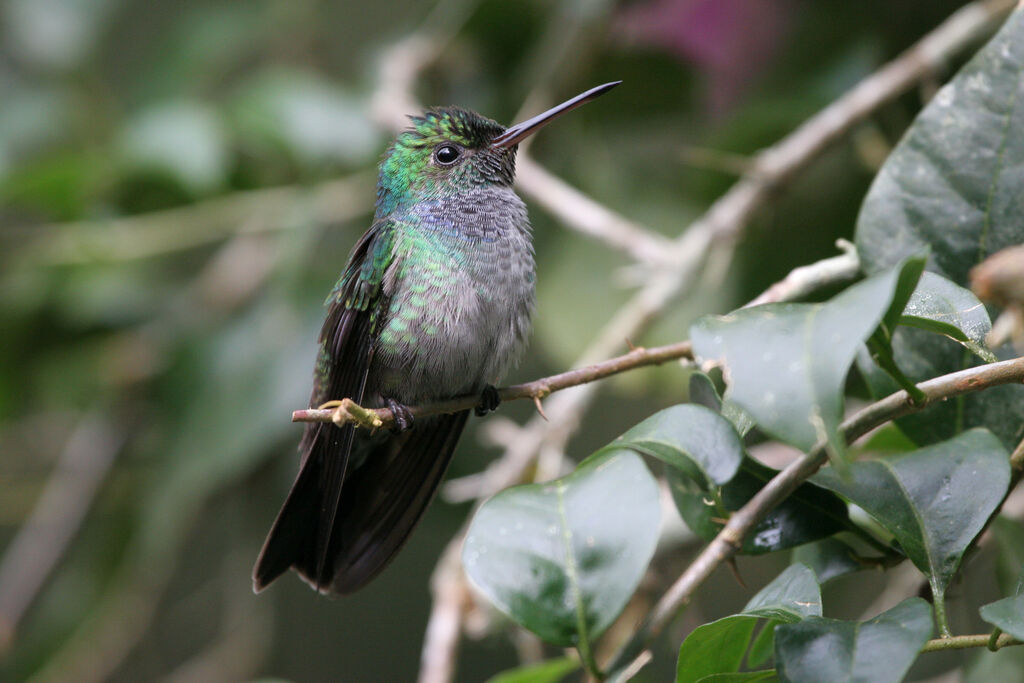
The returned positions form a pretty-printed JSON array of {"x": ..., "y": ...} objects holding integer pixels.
[{"x": 515, "y": 134}]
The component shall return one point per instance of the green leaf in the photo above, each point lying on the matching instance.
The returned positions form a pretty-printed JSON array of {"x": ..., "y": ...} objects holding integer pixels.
[
  {"x": 703, "y": 392},
  {"x": 828, "y": 558},
  {"x": 1009, "y": 541},
  {"x": 1007, "y": 614},
  {"x": 742, "y": 677},
  {"x": 787, "y": 363},
  {"x": 878, "y": 650},
  {"x": 808, "y": 514},
  {"x": 934, "y": 500},
  {"x": 923, "y": 355},
  {"x": 714, "y": 648},
  {"x": 792, "y": 596},
  {"x": 550, "y": 671},
  {"x": 563, "y": 558},
  {"x": 719, "y": 647},
  {"x": 944, "y": 307},
  {"x": 688, "y": 437},
  {"x": 952, "y": 184}
]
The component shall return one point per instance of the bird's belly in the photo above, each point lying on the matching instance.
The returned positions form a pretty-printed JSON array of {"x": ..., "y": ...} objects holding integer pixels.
[{"x": 455, "y": 344}]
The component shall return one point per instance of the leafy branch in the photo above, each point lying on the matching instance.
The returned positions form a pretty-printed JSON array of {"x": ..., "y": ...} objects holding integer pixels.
[{"x": 729, "y": 540}]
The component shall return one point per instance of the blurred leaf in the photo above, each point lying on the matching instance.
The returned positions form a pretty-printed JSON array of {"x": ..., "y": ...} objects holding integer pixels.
[
  {"x": 1007, "y": 614},
  {"x": 311, "y": 118},
  {"x": 54, "y": 34},
  {"x": 787, "y": 363},
  {"x": 32, "y": 116},
  {"x": 878, "y": 650},
  {"x": 550, "y": 671},
  {"x": 952, "y": 184},
  {"x": 184, "y": 140},
  {"x": 886, "y": 439},
  {"x": 808, "y": 514},
  {"x": 827, "y": 558},
  {"x": 689, "y": 437},
  {"x": 563, "y": 558},
  {"x": 719, "y": 647},
  {"x": 201, "y": 46},
  {"x": 742, "y": 677},
  {"x": 1009, "y": 539},
  {"x": 60, "y": 186},
  {"x": 1007, "y": 664},
  {"x": 941, "y": 306},
  {"x": 934, "y": 500}
]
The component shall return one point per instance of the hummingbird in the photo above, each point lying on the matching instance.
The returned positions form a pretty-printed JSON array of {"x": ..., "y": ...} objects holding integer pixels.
[{"x": 434, "y": 302}]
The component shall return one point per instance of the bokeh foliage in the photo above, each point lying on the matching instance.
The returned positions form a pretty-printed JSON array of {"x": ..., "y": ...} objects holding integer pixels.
[{"x": 179, "y": 186}]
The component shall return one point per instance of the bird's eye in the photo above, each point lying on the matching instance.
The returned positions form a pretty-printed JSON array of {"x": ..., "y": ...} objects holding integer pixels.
[{"x": 446, "y": 155}]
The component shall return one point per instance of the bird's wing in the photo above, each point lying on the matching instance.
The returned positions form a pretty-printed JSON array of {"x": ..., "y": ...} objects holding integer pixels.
[{"x": 346, "y": 353}]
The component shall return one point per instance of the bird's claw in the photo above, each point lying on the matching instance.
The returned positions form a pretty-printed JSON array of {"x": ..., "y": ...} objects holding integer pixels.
[
  {"x": 489, "y": 401},
  {"x": 401, "y": 414}
]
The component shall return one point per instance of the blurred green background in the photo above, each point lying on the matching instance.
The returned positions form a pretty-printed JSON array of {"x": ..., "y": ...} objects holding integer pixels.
[{"x": 180, "y": 183}]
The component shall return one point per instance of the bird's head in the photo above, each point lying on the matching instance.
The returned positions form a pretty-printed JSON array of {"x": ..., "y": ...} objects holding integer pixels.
[{"x": 450, "y": 150}]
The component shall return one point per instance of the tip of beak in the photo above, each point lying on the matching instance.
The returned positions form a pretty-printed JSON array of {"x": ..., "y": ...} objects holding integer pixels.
[{"x": 515, "y": 134}]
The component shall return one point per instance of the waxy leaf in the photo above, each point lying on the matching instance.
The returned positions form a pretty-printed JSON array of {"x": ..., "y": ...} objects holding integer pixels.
[
  {"x": 952, "y": 186},
  {"x": 719, "y": 647},
  {"x": 787, "y": 363},
  {"x": 563, "y": 558},
  {"x": 879, "y": 650},
  {"x": 703, "y": 392},
  {"x": 808, "y": 514},
  {"x": 944, "y": 307},
  {"x": 934, "y": 500},
  {"x": 714, "y": 648},
  {"x": 793, "y": 595},
  {"x": 689, "y": 437}
]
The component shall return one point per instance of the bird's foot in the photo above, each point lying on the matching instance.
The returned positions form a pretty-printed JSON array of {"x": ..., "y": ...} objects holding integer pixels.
[
  {"x": 401, "y": 414},
  {"x": 489, "y": 401}
]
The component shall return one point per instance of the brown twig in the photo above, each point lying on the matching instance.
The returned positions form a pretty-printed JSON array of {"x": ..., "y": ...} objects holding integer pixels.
[
  {"x": 537, "y": 389},
  {"x": 729, "y": 539}
]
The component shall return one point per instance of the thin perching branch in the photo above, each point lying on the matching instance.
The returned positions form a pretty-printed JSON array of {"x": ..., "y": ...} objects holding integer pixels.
[{"x": 799, "y": 283}]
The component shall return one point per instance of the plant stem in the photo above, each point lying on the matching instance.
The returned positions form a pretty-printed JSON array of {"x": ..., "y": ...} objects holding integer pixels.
[
  {"x": 964, "y": 642},
  {"x": 939, "y": 597}
]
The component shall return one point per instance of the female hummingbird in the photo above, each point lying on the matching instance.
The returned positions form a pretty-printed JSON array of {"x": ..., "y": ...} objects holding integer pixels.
[{"x": 435, "y": 302}]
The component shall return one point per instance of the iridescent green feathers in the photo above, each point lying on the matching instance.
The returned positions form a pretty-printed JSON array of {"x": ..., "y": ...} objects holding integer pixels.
[{"x": 408, "y": 172}]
